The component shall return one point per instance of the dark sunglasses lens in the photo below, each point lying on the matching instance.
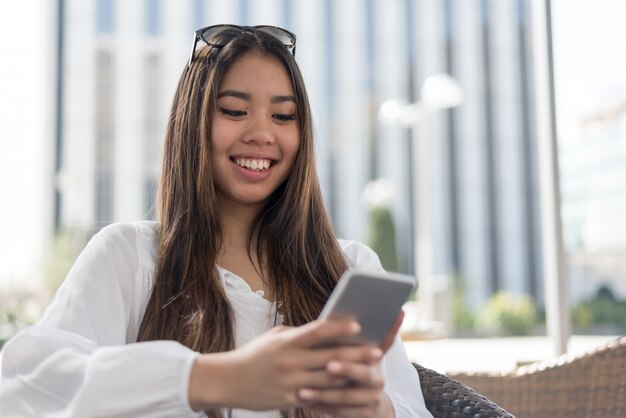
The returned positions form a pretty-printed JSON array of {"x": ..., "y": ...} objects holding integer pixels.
[
  {"x": 282, "y": 35},
  {"x": 212, "y": 31}
]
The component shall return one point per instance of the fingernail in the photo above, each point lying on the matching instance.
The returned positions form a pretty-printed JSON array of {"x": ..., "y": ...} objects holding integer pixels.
[
  {"x": 334, "y": 366},
  {"x": 355, "y": 328},
  {"x": 376, "y": 353},
  {"x": 306, "y": 394}
]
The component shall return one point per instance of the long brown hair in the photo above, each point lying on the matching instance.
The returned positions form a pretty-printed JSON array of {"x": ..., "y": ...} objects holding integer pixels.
[{"x": 188, "y": 303}]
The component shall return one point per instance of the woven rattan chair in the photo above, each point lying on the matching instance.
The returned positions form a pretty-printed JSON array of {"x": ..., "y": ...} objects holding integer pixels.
[
  {"x": 592, "y": 385},
  {"x": 448, "y": 398}
]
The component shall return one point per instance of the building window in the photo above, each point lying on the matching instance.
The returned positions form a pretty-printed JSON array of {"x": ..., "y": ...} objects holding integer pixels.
[
  {"x": 153, "y": 17},
  {"x": 244, "y": 12},
  {"x": 105, "y": 16},
  {"x": 152, "y": 131},
  {"x": 105, "y": 128},
  {"x": 197, "y": 15}
]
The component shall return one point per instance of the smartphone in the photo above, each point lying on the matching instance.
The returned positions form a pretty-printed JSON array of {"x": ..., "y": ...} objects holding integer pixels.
[{"x": 373, "y": 299}]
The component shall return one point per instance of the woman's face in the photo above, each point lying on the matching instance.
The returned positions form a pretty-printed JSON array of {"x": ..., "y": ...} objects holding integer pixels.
[{"x": 255, "y": 135}]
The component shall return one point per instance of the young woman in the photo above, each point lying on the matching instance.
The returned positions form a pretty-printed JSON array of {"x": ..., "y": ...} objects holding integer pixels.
[{"x": 213, "y": 309}]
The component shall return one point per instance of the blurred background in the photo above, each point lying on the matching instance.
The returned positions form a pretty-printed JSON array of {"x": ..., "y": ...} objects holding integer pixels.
[{"x": 428, "y": 135}]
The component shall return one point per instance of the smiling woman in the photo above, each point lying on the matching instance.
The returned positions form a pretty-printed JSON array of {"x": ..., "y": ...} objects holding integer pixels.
[{"x": 212, "y": 309}]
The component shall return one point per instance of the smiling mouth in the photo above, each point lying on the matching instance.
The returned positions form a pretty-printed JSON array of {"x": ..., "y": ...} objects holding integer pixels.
[{"x": 253, "y": 164}]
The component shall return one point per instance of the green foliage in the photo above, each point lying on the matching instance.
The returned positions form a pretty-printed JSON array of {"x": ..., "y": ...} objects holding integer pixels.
[
  {"x": 381, "y": 237},
  {"x": 582, "y": 317},
  {"x": 601, "y": 310},
  {"x": 68, "y": 243},
  {"x": 18, "y": 309},
  {"x": 507, "y": 314},
  {"x": 463, "y": 316}
]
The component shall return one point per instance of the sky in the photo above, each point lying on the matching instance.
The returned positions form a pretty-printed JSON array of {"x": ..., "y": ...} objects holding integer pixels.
[{"x": 589, "y": 59}]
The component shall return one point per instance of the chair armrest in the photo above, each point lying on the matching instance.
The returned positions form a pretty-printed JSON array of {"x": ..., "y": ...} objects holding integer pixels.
[{"x": 448, "y": 398}]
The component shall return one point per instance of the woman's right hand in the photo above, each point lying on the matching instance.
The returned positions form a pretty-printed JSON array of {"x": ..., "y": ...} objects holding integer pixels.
[{"x": 268, "y": 372}]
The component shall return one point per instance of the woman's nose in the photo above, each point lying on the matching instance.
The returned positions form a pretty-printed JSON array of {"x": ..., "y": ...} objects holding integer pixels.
[{"x": 258, "y": 130}]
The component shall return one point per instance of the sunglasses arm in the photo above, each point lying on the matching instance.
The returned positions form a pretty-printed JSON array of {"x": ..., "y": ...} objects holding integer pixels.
[{"x": 193, "y": 49}]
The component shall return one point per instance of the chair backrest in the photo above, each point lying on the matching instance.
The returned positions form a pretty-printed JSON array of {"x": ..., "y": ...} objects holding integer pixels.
[
  {"x": 448, "y": 398},
  {"x": 593, "y": 385}
]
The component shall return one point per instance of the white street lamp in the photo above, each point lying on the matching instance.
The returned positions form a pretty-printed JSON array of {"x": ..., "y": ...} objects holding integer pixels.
[{"x": 439, "y": 91}]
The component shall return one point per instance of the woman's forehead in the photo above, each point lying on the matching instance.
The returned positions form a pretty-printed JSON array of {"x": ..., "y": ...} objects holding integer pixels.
[{"x": 258, "y": 71}]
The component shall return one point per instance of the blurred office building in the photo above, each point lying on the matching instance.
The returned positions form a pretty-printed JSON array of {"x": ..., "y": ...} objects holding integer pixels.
[
  {"x": 119, "y": 62},
  {"x": 593, "y": 166}
]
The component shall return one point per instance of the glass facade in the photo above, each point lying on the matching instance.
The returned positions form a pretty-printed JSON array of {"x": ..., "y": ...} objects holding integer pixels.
[
  {"x": 198, "y": 15},
  {"x": 105, "y": 16},
  {"x": 591, "y": 115},
  {"x": 153, "y": 16},
  {"x": 152, "y": 130},
  {"x": 104, "y": 138}
]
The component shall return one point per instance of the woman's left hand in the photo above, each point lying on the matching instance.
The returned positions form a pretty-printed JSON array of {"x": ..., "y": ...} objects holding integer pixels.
[{"x": 362, "y": 398}]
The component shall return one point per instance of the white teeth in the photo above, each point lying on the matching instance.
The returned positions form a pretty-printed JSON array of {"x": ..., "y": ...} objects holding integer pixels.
[{"x": 253, "y": 164}]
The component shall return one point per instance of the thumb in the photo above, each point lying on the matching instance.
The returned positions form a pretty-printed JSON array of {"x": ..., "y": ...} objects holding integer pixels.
[{"x": 391, "y": 335}]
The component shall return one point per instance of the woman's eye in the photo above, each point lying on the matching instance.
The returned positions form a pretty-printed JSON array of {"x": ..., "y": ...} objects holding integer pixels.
[
  {"x": 232, "y": 113},
  {"x": 285, "y": 117}
]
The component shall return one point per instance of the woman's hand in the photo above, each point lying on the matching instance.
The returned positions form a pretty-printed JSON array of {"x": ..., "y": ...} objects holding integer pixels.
[
  {"x": 363, "y": 396},
  {"x": 268, "y": 372}
]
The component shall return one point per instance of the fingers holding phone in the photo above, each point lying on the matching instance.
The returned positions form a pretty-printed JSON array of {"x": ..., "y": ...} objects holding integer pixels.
[
  {"x": 375, "y": 301},
  {"x": 362, "y": 397}
]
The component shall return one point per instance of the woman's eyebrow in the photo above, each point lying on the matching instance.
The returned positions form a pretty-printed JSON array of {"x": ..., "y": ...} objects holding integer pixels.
[
  {"x": 234, "y": 93},
  {"x": 281, "y": 99},
  {"x": 247, "y": 96}
]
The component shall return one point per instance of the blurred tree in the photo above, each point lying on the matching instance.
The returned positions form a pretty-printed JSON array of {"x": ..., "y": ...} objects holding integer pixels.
[
  {"x": 382, "y": 237},
  {"x": 19, "y": 307},
  {"x": 604, "y": 310},
  {"x": 507, "y": 313},
  {"x": 67, "y": 245},
  {"x": 463, "y": 316}
]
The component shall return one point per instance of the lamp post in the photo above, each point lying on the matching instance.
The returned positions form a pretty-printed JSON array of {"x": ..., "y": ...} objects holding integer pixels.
[
  {"x": 439, "y": 91},
  {"x": 555, "y": 285}
]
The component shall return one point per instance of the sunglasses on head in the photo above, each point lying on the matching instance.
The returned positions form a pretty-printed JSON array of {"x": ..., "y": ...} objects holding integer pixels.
[{"x": 283, "y": 35}]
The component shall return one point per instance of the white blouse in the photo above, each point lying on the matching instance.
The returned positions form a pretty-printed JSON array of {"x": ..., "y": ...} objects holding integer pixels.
[{"x": 82, "y": 358}]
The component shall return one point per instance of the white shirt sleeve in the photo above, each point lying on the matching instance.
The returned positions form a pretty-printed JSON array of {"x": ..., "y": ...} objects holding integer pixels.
[
  {"x": 76, "y": 362},
  {"x": 402, "y": 384}
]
